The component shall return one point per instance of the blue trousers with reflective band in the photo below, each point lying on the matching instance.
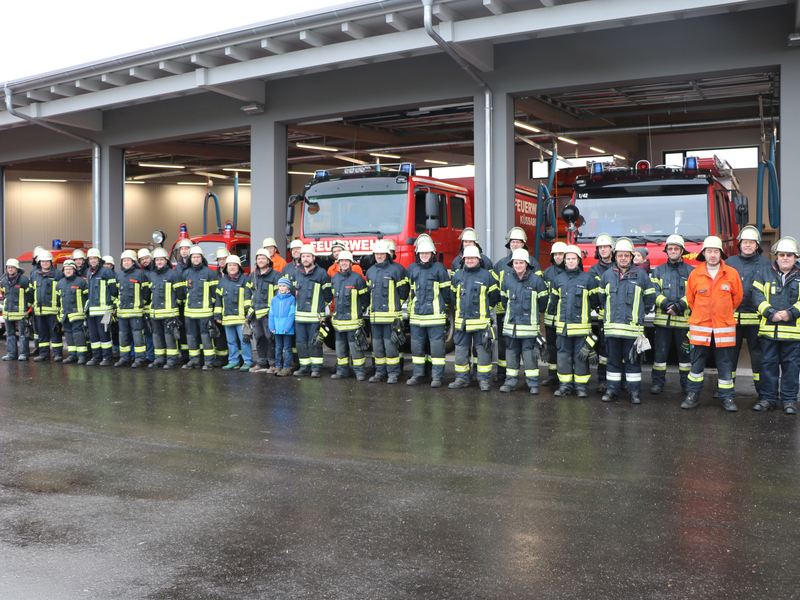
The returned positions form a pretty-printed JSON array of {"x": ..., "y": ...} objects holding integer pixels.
[
  {"x": 723, "y": 357},
  {"x": 13, "y": 332},
  {"x": 100, "y": 338},
  {"x": 573, "y": 373},
  {"x": 47, "y": 337},
  {"x": 780, "y": 367},
  {"x": 661, "y": 344},
  {"x": 434, "y": 336},
  {"x": 618, "y": 351},
  {"x": 309, "y": 354},
  {"x": 516, "y": 348},
  {"x": 385, "y": 351}
]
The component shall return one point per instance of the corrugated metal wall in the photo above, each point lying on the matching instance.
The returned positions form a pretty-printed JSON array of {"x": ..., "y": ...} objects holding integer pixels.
[{"x": 37, "y": 213}]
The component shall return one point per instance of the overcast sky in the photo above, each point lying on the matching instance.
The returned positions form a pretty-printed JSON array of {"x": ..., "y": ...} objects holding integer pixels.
[{"x": 51, "y": 35}]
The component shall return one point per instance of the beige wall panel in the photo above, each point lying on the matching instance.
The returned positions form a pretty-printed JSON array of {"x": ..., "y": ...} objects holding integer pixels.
[{"x": 37, "y": 213}]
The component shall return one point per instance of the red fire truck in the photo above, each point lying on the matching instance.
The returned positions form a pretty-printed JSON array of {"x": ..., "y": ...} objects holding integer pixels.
[
  {"x": 647, "y": 204},
  {"x": 361, "y": 204},
  {"x": 233, "y": 240}
]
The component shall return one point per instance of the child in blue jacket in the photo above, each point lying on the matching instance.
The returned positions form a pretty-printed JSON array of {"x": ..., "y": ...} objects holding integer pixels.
[{"x": 281, "y": 324}]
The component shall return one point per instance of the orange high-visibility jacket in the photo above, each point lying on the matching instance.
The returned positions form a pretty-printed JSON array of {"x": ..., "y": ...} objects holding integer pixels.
[
  {"x": 712, "y": 303},
  {"x": 278, "y": 263}
]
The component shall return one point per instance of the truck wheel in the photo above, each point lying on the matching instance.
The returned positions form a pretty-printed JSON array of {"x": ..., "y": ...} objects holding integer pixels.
[
  {"x": 330, "y": 339},
  {"x": 449, "y": 330}
]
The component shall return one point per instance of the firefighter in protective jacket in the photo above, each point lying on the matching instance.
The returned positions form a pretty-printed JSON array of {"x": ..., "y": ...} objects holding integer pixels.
[
  {"x": 550, "y": 275},
  {"x": 713, "y": 291},
  {"x": 576, "y": 293},
  {"x": 102, "y": 283},
  {"x": 44, "y": 279},
  {"x": 313, "y": 293},
  {"x": 200, "y": 289},
  {"x": 603, "y": 252},
  {"x": 388, "y": 286},
  {"x": 627, "y": 295},
  {"x": 264, "y": 282},
  {"x": 72, "y": 291},
  {"x": 234, "y": 298},
  {"x": 749, "y": 263},
  {"x": 166, "y": 295},
  {"x": 516, "y": 238},
  {"x": 777, "y": 291},
  {"x": 350, "y": 300},
  {"x": 17, "y": 301},
  {"x": 476, "y": 293},
  {"x": 427, "y": 312},
  {"x": 672, "y": 313},
  {"x": 524, "y": 294},
  {"x": 133, "y": 286}
]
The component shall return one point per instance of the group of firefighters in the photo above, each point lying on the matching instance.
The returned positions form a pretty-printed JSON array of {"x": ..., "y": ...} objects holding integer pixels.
[{"x": 192, "y": 315}]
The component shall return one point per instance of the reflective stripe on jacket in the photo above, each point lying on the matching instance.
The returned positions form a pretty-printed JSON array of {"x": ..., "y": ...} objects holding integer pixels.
[
  {"x": 17, "y": 296},
  {"x": 576, "y": 293},
  {"x": 72, "y": 293},
  {"x": 430, "y": 293},
  {"x": 749, "y": 268},
  {"x": 233, "y": 299},
  {"x": 712, "y": 303},
  {"x": 44, "y": 291},
  {"x": 388, "y": 285},
  {"x": 350, "y": 300},
  {"x": 199, "y": 286},
  {"x": 775, "y": 293},
  {"x": 264, "y": 287},
  {"x": 165, "y": 288},
  {"x": 627, "y": 298},
  {"x": 550, "y": 274},
  {"x": 525, "y": 297},
  {"x": 476, "y": 293},
  {"x": 133, "y": 292},
  {"x": 669, "y": 280},
  {"x": 102, "y": 284},
  {"x": 313, "y": 294}
]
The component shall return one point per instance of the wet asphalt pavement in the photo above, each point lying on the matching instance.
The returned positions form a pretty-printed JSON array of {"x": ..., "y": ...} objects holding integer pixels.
[{"x": 118, "y": 484}]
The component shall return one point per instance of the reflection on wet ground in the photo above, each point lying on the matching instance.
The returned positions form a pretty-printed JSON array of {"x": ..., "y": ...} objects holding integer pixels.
[{"x": 184, "y": 485}]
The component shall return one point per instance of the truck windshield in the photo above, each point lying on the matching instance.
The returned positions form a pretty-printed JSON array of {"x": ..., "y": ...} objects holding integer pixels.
[
  {"x": 350, "y": 214},
  {"x": 648, "y": 211}
]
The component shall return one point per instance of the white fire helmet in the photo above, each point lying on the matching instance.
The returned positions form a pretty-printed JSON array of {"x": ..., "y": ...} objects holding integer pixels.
[
  {"x": 603, "y": 240},
  {"x": 558, "y": 247},
  {"x": 307, "y": 249},
  {"x": 677, "y": 240},
  {"x": 786, "y": 244},
  {"x": 345, "y": 255},
  {"x": 623, "y": 245},
  {"x": 472, "y": 252},
  {"x": 711, "y": 241},
  {"x": 469, "y": 235},
  {"x": 520, "y": 254},
  {"x": 426, "y": 246}
]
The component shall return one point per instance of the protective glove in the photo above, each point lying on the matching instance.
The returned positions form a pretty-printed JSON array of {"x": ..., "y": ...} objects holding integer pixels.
[
  {"x": 541, "y": 347},
  {"x": 58, "y": 327},
  {"x": 211, "y": 327},
  {"x": 26, "y": 326},
  {"x": 148, "y": 325},
  {"x": 174, "y": 326},
  {"x": 398, "y": 332},
  {"x": 686, "y": 346},
  {"x": 247, "y": 332},
  {"x": 250, "y": 316},
  {"x": 319, "y": 339},
  {"x": 85, "y": 330},
  {"x": 588, "y": 353},
  {"x": 106, "y": 320},
  {"x": 488, "y": 338},
  {"x": 638, "y": 349},
  {"x": 360, "y": 338}
]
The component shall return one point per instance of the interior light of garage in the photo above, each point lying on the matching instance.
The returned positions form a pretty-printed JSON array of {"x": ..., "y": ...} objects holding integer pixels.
[
  {"x": 162, "y": 166},
  {"x": 135, "y": 182},
  {"x": 300, "y": 173},
  {"x": 350, "y": 159},
  {"x": 436, "y": 162},
  {"x": 569, "y": 141},
  {"x": 242, "y": 170},
  {"x": 620, "y": 157},
  {"x": 597, "y": 149},
  {"x": 192, "y": 183},
  {"x": 312, "y": 147},
  {"x": 379, "y": 155},
  {"x": 526, "y": 126},
  {"x": 44, "y": 180}
]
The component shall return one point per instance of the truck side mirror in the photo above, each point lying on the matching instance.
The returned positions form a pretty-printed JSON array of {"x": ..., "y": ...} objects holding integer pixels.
[
  {"x": 290, "y": 214},
  {"x": 741, "y": 209},
  {"x": 432, "y": 211},
  {"x": 289, "y": 230}
]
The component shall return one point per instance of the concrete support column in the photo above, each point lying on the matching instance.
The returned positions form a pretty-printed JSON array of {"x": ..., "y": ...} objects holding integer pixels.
[
  {"x": 3, "y": 217},
  {"x": 112, "y": 200},
  {"x": 788, "y": 149},
  {"x": 503, "y": 173},
  {"x": 269, "y": 186},
  {"x": 479, "y": 160}
]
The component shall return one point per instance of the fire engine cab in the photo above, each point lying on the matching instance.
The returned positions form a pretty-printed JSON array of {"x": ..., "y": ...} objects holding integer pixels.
[
  {"x": 233, "y": 240},
  {"x": 647, "y": 204}
]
